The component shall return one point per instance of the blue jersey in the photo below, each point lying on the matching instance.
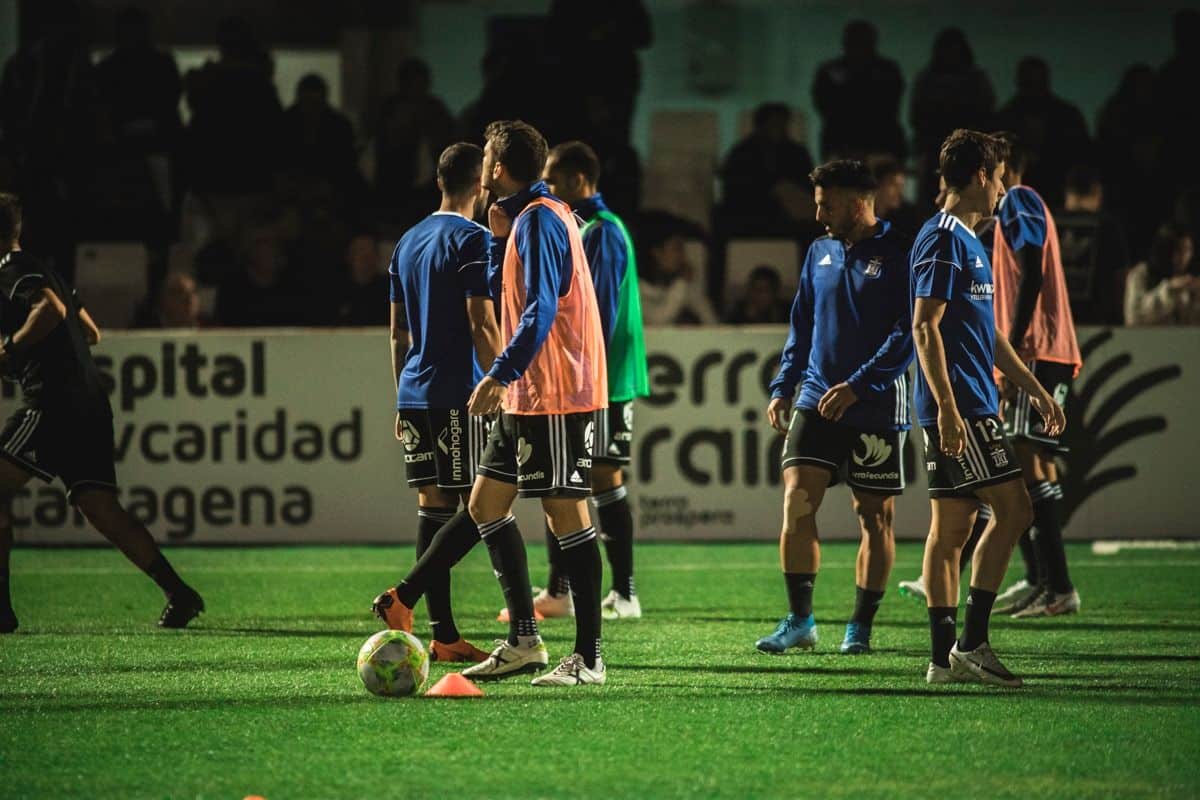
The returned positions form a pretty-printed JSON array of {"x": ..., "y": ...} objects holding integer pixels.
[
  {"x": 608, "y": 259},
  {"x": 950, "y": 263},
  {"x": 438, "y": 264},
  {"x": 1022, "y": 217},
  {"x": 851, "y": 323}
]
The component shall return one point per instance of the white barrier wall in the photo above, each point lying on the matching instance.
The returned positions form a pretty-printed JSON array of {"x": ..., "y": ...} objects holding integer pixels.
[{"x": 286, "y": 436}]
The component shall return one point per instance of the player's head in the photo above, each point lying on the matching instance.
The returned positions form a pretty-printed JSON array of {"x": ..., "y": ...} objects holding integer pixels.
[
  {"x": 952, "y": 51},
  {"x": 572, "y": 172},
  {"x": 10, "y": 221},
  {"x": 1017, "y": 160},
  {"x": 771, "y": 120},
  {"x": 1084, "y": 190},
  {"x": 312, "y": 93},
  {"x": 890, "y": 182},
  {"x": 513, "y": 157},
  {"x": 972, "y": 164},
  {"x": 860, "y": 39},
  {"x": 844, "y": 191},
  {"x": 1171, "y": 252},
  {"x": 460, "y": 172},
  {"x": 762, "y": 289}
]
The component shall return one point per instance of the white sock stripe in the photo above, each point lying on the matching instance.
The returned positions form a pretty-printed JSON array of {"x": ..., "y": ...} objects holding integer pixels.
[
  {"x": 28, "y": 426},
  {"x": 488, "y": 528},
  {"x": 440, "y": 516},
  {"x": 575, "y": 539},
  {"x": 1058, "y": 490},
  {"x": 611, "y": 496},
  {"x": 985, "y": 512},
  {"x": 1042, "y": 490}
]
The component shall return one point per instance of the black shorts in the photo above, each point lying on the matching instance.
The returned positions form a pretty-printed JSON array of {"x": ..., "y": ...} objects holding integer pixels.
[
  {"x": 1021, "y": 419},
  {"x": 544, "y": 455},
  {"x": 75, "y": 447},
  {"x": 442, "y": 446},
  {"x": 868, "y": 460},
  {"x": 987, "y": 459},
  {"x": 613, "y": 433}
]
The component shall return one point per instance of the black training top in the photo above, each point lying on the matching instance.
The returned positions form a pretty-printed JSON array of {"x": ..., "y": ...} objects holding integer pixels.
[{"x": 58, "y": 372}]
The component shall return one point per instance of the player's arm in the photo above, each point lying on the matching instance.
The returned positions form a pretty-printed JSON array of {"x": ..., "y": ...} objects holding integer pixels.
[
  {"x": 794, "y": 359},
  {"x": 46, "y": 312},
  {"x": 475, "y": 258},
  {"x": 544, "y": 249},
  {"x": 90, "y": 329},
  {"x": 485, "y": 330},
  {"x": 604, "y": 246},
  {"x": 1024, "y": 225},
  {"x": 931, "y": 350},
  {"x": 1009, "y": 363}
]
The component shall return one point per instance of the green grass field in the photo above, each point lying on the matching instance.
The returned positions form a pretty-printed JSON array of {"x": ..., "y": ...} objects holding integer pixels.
[{"x": 261, "y": 696}]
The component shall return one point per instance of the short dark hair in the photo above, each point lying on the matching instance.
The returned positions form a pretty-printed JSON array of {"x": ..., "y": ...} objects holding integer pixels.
[
  {"x": 844, "y": 173},
  {"x": 1017, "y": 154},
  {"x": 966, "y": 152},
  {"x": 519, "y": 146},
  {"x": 577, "y": 156},
  {"x": 1083, "y": 178},
  {"x": 765, "y": 112},
  {"x": 10, "y": 219},
  {"x": 459, "y": 166},
  {"x": 312, "y": 82}
]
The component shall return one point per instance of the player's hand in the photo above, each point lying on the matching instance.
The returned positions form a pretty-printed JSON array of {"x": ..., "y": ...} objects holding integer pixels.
[
  {"x": 487, "y": 397},
  {"x": 779, "y": 414},
  {"x": 1052, "y": 413},
  {"x": 399, "y": 428},
  {"x": 835, "y": 402},
  {"x": 952, "y": 433},
  {"x": 499, "y": 221}
]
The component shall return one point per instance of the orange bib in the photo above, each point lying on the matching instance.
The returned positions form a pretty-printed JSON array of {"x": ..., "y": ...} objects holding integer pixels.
[{"x": 568, "y": 375}]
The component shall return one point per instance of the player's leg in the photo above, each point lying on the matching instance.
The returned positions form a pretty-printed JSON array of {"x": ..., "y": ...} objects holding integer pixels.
[
  {"x": 99, "y": 503},
  {"x": 1056, "y": 593},
  {"x": 982, "y": 517},
  {"x": 799, "y": 556},
  {"x": 12, "y": 478},
  {"x": 873, "y": 566},
  {"x": 949, "y": 528},
  {"x": 616, "y": 530},
  {"x": 1030, "y": 587},
  {"x": 1012, "y": 514}
]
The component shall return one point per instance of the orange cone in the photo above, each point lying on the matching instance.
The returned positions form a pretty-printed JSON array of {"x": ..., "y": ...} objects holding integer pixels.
[{"x": 454, "y": 685}]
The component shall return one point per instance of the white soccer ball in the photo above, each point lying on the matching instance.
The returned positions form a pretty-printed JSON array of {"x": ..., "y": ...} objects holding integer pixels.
[{"x": 393, "y": 664}]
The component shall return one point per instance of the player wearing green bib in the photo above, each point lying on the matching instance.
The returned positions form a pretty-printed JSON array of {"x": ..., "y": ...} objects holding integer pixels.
[{"x": 572, "y": 173}]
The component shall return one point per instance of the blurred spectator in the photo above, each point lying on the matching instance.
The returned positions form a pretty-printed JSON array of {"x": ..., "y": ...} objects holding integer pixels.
[
  {"x": 671, "y": 293},
  {"x": 761, "y": 303},
  {"x": 503, "y": 95},
  {"x": 1053, "y": 129},
  {"x": 951, "y": 92},
  {"x": 890, "y": 201},
  {"x": 1130, "y": 142},
  {"x": 413, "y": 127},
  {"x": 1164, "y": 290},
  {"x": 318, "y": 140},
  {"x": 858, "y": 98},
  {"x": 232, "y": 139},
  {"x": 1094, "y": 252},
  {"x": 178, "y": 303},
  {"x": 619, "y": 162},
  {"x": 1178, "y": 111},
  {"x": 259, "y": 294},
  {"x": 363, "y": 295},
  {"x": 765, "y": 180}
]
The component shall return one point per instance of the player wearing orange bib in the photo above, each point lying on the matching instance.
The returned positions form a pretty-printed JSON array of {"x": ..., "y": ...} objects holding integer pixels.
[
  {"x": 1033, "y": 311},
  {"x": 548, "y": 381}
]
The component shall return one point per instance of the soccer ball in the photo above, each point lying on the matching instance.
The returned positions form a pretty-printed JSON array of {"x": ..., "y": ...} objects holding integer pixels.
[{"x": 393, "y": 664}]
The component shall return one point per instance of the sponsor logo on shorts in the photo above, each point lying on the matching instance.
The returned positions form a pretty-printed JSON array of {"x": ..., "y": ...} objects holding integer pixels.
[
  {"x": 583, "y": 463},
  {"x": 874, "y": 267},
  {"x": 627, "y": 415},
  {"x": 409, "y": 436},
  {"x": 931, "y": 465},
  {"x": 524, "y": 451},
  {"x": 999, "y": 456},
  {"x": 417, "y": 458},
  {"x": 875, "y": 476},
  {"x": 589, "y": 437},
  {"x": 875, "y": 451},
  {"x": 623, "y": 436},
  {"x": 532, "y": 476},
  {"x": 968, "y": 473},
  {"x": 576, "y": 477},
  {"x": 450, "y": 442}
]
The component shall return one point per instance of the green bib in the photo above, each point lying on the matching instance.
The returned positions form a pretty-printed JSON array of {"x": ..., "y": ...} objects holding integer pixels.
[{"x": 627, "y": 374}]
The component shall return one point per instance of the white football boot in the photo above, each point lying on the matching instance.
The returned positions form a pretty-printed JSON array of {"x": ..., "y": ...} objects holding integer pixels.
[
  {"x": 1014, "y": 597},
  {"x": 573, "y": 671},
  {"x": 1050, "y": 604},
  {"x": 936, "y": 674},
  {"x": 614, "y": 606},
  {"x": 982, "y": 666},
  {"x": 914, "y": 589},
  {"x": 509, "y": 659}
]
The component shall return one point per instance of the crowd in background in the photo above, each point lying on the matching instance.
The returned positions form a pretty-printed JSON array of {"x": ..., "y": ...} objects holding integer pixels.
[{"x": 287, "y": 211}]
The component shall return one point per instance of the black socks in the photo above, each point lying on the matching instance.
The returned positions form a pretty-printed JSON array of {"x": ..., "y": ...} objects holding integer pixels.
[
  {"x": 437, "y": 591},
  {"x": 943, "y": 627},
  {"x": 616, "y": 528},
  {"x": 162, "y": 573},
  {"x": 581, "y": 555},
  {"x": 1029, "y": 556},
  {"x": 800, "y": 592},
  {"x": 449, "y": 545},
  {"x": 507, "y": 550},
  {"x": 558, "y": 583},
  {"x": 866, "y": 603},
  {"x": 1051, "y": 553},
  {"x": 979, "y": 609}
]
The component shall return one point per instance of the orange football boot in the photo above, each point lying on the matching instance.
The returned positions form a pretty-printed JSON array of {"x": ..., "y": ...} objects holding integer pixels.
[
  {"x": 394, "y": 613},
  {"x": 461, "y": 651}
]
